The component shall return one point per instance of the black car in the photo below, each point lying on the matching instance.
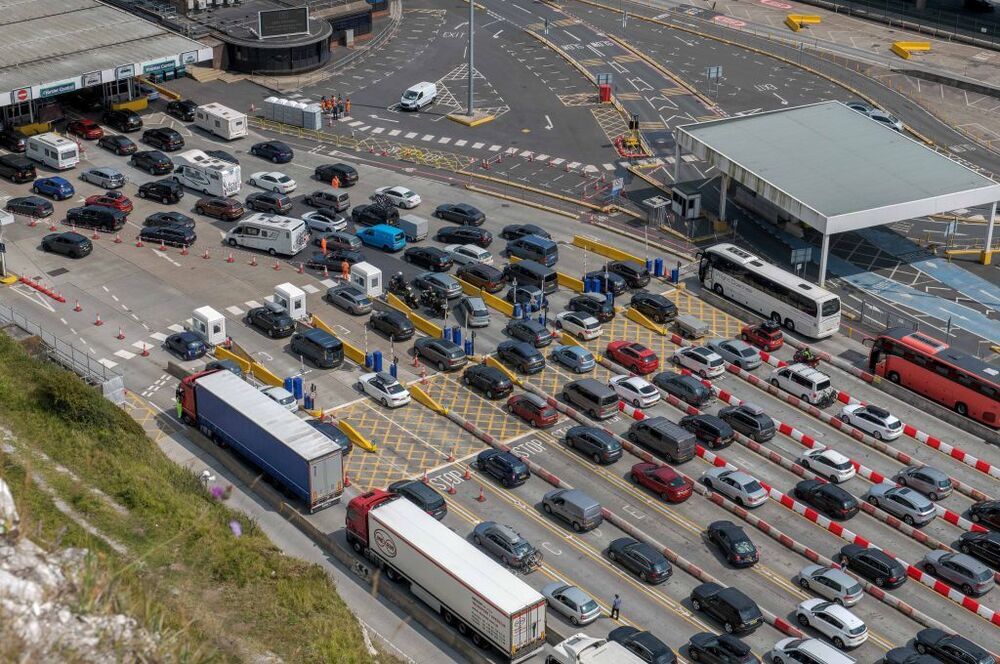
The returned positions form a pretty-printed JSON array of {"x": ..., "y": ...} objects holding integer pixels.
[
  {"x": 522, "y": 356},
  {"x": 153, "y": 162},
  {"x": 907, "y": 655},
  {"x": 120, "y": 145},
  {"x": 709, "y": 429},
  {"x": 273, "y": 321},
  {"x": 333, "y": 432},
  {"x": 421, "y": 495},
  {"x": 276, "y": 151},
  {"x": 653, "y": 306},
  {"x": 951, "y": 648},
  {"x": 504, "y": 467},
  {"x": 482, "y": 276},
  {"x": 186, "y": 345},
  {"x": 873, "y": 564},
  {"x": 392, "y": 324},
  {"x": 269, "y": 201},
  {"x": 598, "y": 307},
  {"x": 984, "y": 546},
  {"x": 733, "y": 543},
  {"x": 347, "y": 175},
  {"x": 13, "y": 140},
  {"x": 730, "y": 606},
  {"x": 174, "y": 236},
  {"x": 634, "y": 274},
  {"x": 527, "y": 295},
  {"x": 515, "y": 231},
  {"x": 223, "y": 155},
  {"x": 465, "y": 235},
  {"x": 182, "y": 109},
  {"x": 644, "y": 644},
  {"x": 530, "y": 331},
  {"x": 429, "y": 258},
  {"x": 489, "y": 380},
  {"x": 169, "y": 219},
  {"x": 686, "y": 388},
  {"x": 595, "y": 443},
  {"x": 163, "y": 138},
  {"x": 31, "y": 206},
  {"x": 641, "y": 559},
  {"x": 720, "y": 649},
  {"x": 124, "y": 120},
  {"x": 69, "y": 244},
  {"x": 986, "y": 512},
  {"x": 97, "y": 217},
  {"x": 460, "y": 213},
  {"x": 333, "y": 258},
  {"x": 368, "y": 214},
  {"x": 607, "y": 281},
  {"x": 750, "y": 420},
  {"x": 828, "y": 498},
  {"x": 166, "y": 191}
]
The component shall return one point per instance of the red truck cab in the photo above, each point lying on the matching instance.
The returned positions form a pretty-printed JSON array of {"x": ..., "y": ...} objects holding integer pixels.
[{"x": 357, "y": 516}]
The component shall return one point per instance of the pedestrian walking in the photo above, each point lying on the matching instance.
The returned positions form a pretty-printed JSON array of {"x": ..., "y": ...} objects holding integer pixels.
[
  {"x": 335, "y": 182},
  {"x": 616, "y": 606},
  {"x": 340, "y": 109},
  {"x": 347, "y": 106},
  {"x": 345, "y": 270},
  {"x": 322, "y": 104}
]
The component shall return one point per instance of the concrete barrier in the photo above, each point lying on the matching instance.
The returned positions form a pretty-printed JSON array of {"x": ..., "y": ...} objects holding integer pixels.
[
  {"x": 356, "y": 437},
  {"x": 422, "y": 397},
  {"x": 225, "y": 354},
  {"x": 606, "y": 250},
  {"x": 641, "y": 319},
  {"x": 905, "y": 49},
  {"x": 797, "y": 21},
  {"x": 351, "y": 352},
  {"x": 491, "y": 300}
]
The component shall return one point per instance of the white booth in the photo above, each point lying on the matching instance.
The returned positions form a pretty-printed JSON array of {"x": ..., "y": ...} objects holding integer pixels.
[
  {"x": 293, "y": 299},
  {"x": 368, "y": 278},
  {"x": 210, "y": 325}
]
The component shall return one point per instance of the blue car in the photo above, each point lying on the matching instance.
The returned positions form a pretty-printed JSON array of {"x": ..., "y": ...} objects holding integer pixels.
[
  {"x": 186, "y": 345},
  {"x": 574, "y": 358},
  {"x": 55, "y": 187},
  {"x": 274, "y": 151}
]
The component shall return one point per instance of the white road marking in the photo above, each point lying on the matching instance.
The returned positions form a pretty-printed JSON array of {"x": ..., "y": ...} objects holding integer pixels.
[
  {"x": 427, "y": 137},
  {"x": 557, "y": 161},
  {"x": 410, "y": 134},
  {"x": 234, "y": 310},
  {"x": 158, "y": 336},
  {"x": 608, "y": 167},
  {"x": 309, "y": 288},
  {"x": 571, "y": 35},
  {"x": 329, "y": 283},
  {"x": 395, "y": 132},
  {"x": 548, "y": 122},
  {"x": 574, "y": 164},
  {"x": 478, "y": 146},
  {"x": 495, "y": 148},
  {"x": 175, "y": 328},
  {"x": 108, "y": 363},
  {"x": 252, "y": 304},
  {"x": 124, "y": 354},
  {"x": 520, "y": 7},
  {"x": 444, "y": 139},
  {"x": 378, "y": 130},
  {"x": 497, "y": 33},
  {"x": 460, "y": 142},
  {"x": 541, "y": 157}
]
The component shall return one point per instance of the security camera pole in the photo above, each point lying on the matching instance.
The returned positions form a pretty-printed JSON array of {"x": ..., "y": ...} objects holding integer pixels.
[{"x": 472, "y": 31}]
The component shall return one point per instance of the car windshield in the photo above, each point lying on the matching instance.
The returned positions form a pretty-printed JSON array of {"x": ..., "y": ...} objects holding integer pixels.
[
  {"x": 748, "y": 352},
  {"x": 676, "y": 481},
  {"x": 521, "y": 547},
  {"x": 193, "y": 345},
  {"x": 830, "y": 307},
  {"x": 410, "y": 94},
  {"x": 843, "y": 465},
  {"x": 647, "y": 390},
  {"x": 853, "y": 590},
  {"x": 284, "y": 178},
  {"x": 822, "y": 385},
  {"x": 588, "y": 606},
  {"x": 753, "y": 486}
]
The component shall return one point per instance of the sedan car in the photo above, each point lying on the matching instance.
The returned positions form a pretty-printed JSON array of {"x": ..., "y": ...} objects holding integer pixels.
[
  {"x": 633, "y": 356},
  {"x": 270, "y": 201},
  {"x": 322, "y": 221},
  {"x": 951, "y": 648},
  {"x": 829, "y": 463},
  {"x": 720, "y": 649},
  {"x": 580, "y": 325},
  {"x": 529, "y": 330},
  {"x": 641, "y": 559},
  {"x": 169, "y": 219},
  {"x": 463, "y": 235},
  {"x": 833, "y": 621},
  {"x": 874, "y": 421},
  {"x": 738, "y": 549},
  {"x": 466, "y": 254},
  {"x": 646, "y": 647},
  {"x": 399, "y": 196},
  {"x": 393, "y": 324},
  {"x": 962, "y": 571},
  {"x": 104, "y": 177},
  {"x": 274, "y": 151},
  {"x": 460, "y": 213},
  {"x": 68, "y": 243},
  {"x": 664, "y": 481},
  {"x": 503, "y": 542},
  {"x": 575, "y": 358},
  {"x": 570, "y": 601},
  {"x": 874, "y": 565},
  {"x": 736, "y": 352},
  {"x": 489, "y": 380},
  {"x": 444, "y": 284},
  {"x": 85, "y": 128},
  {"x": 929, "y": 481},
  {"x": 533, "y": 409},
  {"x": 153, "y": 162},
  {"x": 829, "y": 499},
  {"x": 515, "y": 231},
  {"x": 750, "y": 420},
  {"x": 120, "y": 145},
  {"x": 736, "y": 485},
  {"x": 350, "y": 298},
  {"x": 272, "y": 320},
  {"x": 186, "y": 345},
  {"x": 914, "y": 508},
  {"x": 115, "y": 200},
  {"x": 272, "y": 181},
  {"x": 634, "y": 390},
  {"x": 163, "y": 138},
  {"x": 31, "y": 206},
  {"x": 832, "y": 583},
  {"x": 384, "y": 388},
  {"x": 172, "y": 236},
  {"x": 982, "y": 546},
  {"x": 333, "y": 259},
  {"x": 699, "y": 360},
  {"x": 429, "y": 258},
  {"x": 54, "y": 187},
  {"x": 522, "y": 356},
  {"x": 986, "y": 512}
]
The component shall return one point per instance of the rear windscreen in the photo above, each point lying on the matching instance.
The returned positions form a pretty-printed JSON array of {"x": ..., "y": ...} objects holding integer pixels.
[{"x": 609, "y": 399}]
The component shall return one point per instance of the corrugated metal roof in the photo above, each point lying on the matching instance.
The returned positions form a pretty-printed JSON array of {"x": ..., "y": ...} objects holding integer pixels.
[{"x": 43, "y": 41}]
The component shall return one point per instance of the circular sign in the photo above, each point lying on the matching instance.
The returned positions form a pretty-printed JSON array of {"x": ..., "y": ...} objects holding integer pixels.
[
  {"x": 732, "y": 22},
  {"x": 384, "y": 542},
  {"x": 22, "y": 94}
]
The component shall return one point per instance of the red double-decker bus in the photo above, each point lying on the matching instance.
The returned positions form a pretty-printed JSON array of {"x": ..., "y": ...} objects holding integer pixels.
[{"x": 932, "y": 368}]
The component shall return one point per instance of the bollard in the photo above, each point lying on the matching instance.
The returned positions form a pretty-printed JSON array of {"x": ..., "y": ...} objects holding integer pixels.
[
  {"x": 446, "y": 332},
  {"x": 541, "y": 318},
  {"x": 586, "y": 285},
  {"x": 297, "y": 387},
  {"x": 393, "y": 370},
  {"x": 456, "y": 335},
  {"x": 649, "y": 265},
  {"x": 517, "y": 310},
  {"x": 377, "y": 360},
  {"x": 675, "y": 275},
  {"x": 368, "y": 360},
  {"x": 288, "y": 385},
  {"x": 658, "y": 267},
  {"x": 469, "y": 348},
  {"x": 609, "y": 297},
  {"x": 308, "y": 402}
]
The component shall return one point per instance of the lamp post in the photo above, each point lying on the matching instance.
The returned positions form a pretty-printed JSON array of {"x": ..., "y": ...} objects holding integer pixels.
[{"x": 472, "y": 31}]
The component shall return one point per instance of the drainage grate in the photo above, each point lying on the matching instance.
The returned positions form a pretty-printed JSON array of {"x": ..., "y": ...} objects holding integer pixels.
[{"x": 57, "y": 272}]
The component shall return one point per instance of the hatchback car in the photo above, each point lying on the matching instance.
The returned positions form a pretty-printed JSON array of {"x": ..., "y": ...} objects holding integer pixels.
[
  {"x": 503, "y": 542},
  {"x": 273, "y": 181},
  {"x": 635, "y": 391},
  {"x": 580, "y": 325},
  {"x": 182, "y": 109},
  {"x": 874, "y": 565},
  {"x": 962, "y": 571},
  {"x": 489, "y": 380},
  {"x": 393, "y": 324},
  {"x": 656, "y": 307},
  {"x": 444, "y": 284},
  {"x": 429, "y": 258},
  {"x": 595, "y": 443},
  {"x": 664, "y": 481},
  {"x": 720, "y": 649},
  {"x": 460, "y": 213},
  {"x": 423, "y": 496},
  {"x": 575, "y": 358},
  {"x": 276, "y": 152},
  {"x": 54, "y": 187},
  {"x": 736, "y": 485},
  {"x": 163, "y": 138},
  {"x": 384, "y": 388},
  {"x": 350, "y": 299},
  {"x": 766, "y": 335},
  {"x": 750, "y": 420},
  {"x": 709, "y": 429},
  {"x": 467, "y": 254},
  {"x": 829, "y": 463},
  {"x": 464, "y": 235},
  {"x": 528, "y": 330},
  {"x": 186, "y": 345},
  {"x": 120, "y": 145},
  {"x": 641, "y": 559},
  {"x": 104, "y": 177},
  {"x": 272, "y": 320},
  {"x": 482, "y": 276},
  {"x": 699, "y": 360},
  {"x": 914, "y": 508},
  {"x": 986, "y": 512},
  {"x": 635, "y": 274},
  {"x": 85, "y": 128},
  {"x": 269, "y": 201},
  {"x": 69, "y": 244},
  {"x": 929, "y": 481},
  {"x": 730, "y": 606},
  {"x": 734, "y": 544},
  {"x": 227, "y": 209},
  {"x": 686, "y": 388},
  {"x": 153, "y": 162},
  {"x": 833, "y": 621},
  {"x": 347, "y": 174},
  {"x": 515, "y": 231},
  {"x": 646, "y": 647},
  {"x": 171, "y": 236},
  {"x": 873, "y": 420},
  {"x": 444, "y": 354},
  {"x": 588, "y": 303},
  {"x": 533, "y": 409},
  {"x": 115, "y": 200},
  {"x": 633, "y": 356},
  {"x": 123, "y": 120},
  {"x": 504, "y": 467},
  {"x": 832, "y": 583},
  {"x": 951, "y": 648},
  {"x": 570, "y": 601},
  {"x": 522, "y": 356},
  {"x": 31, "y": 206},
  {"x": 982, "y": 546},
  {"x": 736, "y": 352},
  {"x": 282, "y": 397},
  {"x": 829, "y": 499},
  {"x": 607, "y": 282},
  {"x": 399, "y": 196}
]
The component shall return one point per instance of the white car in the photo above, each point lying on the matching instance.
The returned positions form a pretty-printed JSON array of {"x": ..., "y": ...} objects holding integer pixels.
[
  {"x": 273, "y": 181},
  {"x": 874, "y": 421},
  {"x": 833, "y": 621},
  {"x": 700, "y": 360},
  {"x": 467, "y": 254},
  {"x": 739, "y": 487},
  {"x": 831, "y": 583},
  {"x": 635, "y": 391},
  {"x": 579, "y": 325},
  {"x": 828, "y": 463},
  {"x": 400, "y": 196},
  {"x": 283, "y": 397},
  {"x": 385, "y": 389}
]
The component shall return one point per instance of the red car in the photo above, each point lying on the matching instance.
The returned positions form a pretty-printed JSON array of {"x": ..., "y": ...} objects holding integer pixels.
[
  {"x": 766, "y": 336},
  {"x": 112, "y": 199},
  {"x": 87, "y": 129},
  {"x": 664, "y": 481},
  {"x": 532, "y": 409},
  {"x": 634, "y": 357}
]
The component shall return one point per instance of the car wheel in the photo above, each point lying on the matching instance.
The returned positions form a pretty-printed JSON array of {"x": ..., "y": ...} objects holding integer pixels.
[
  {"x": 880, "y": 582},
  {"x": 440, "y": 366},
  {"x": 693, "y": 655},
  {"x": 908, "y": 520},
  {"x": 964, "y": 548},
  {"x": 774, "y": 381},
  {"x": 46, "y": 247},
  {"x": 929, "y": 568},
  {"x": 967, "y": 589},
  {"x": 877, "y": 435},
  {"x": 803, "y": 620},
  {"x": 577, "y": 527},
  {"x": 74, "y": 254},
  {"x": 612, "y": 556},
  {"x": 901, "y": 481},
  {"x": 270, "y": 333},
  {"x": 873, "y": 500},
  {"x": 844, "y": 561},
  {"x": 548, "y": 510},
  {"x": 728, "y": 626},
  {"x": 696, "y": 605},
  {"x": 274, "y": 159},
  {"x": 574, "y": 620},
  {"x": 933, "y": 496},
  {"x": 489, "y": 394},
  {"x": 775, "y": 659},
  {"x": 921, "y": 648},
  {"x": 893, "y": 377},
  {"x": 839, "y": 642},
  {"x": 718, "y": 289},
  {"x": 272, "y": 252},
  {"x": 975, "y": 518},
  {"x": 232, "y": 242},
  {"x": 804, "y": 583},
  {"x": 385, "y": 402},
  {"x": 636, "y": 403}
]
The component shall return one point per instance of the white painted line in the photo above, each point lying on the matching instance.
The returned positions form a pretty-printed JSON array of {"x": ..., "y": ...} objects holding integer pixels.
[
  {"x": 427, "y": 137},
  {"x": 124, "y": 354},
  {"x": 105, "y": 289},
  {"x": 355, "y": 123},
  {"x": 175, "y": 328},
  {"x": 410, "y": 134},
  {"x": 557, "y": 161},
  {"x": 689, "y": 158},
  {"x": 252, "y": 304},
  {"x": 574, "y": 164},
  {"x": 365, "y": 128},
  {"x": 609, "y": 167},
  {"x": 108, "y": 363},
  {"x": 115, "y": 298},
  {"x": 158, "y": 336},
  {"x": 444, "y": 139},
  {"x": 478, "y": 146},
  {"x": 511, "y": 151},
  {"x": 495, "y": 148},
  {"x": 139, "y": 344},
  {"x": 525, "y": 154},
  {"x": 329, "y": 283},
  {"x": 378, "y": 130},
  {"x": 234, "y": 310},
  {"x": 541, "y": 157},
  {"x": 309, "y": 288},
  {"x": 395, "y": 132},
  {"x": 461, "y": 142}
]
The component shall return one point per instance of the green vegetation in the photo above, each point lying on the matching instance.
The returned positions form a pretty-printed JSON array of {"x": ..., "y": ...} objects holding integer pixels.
[{"x": 212, "y": 595}]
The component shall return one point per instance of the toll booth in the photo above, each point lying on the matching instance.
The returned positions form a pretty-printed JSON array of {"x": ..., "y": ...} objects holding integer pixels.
[
  {"x": 685, "y": 199},
  {"x": 209, "y": 324},
  {"x": 368, "y": 278},
  {"x": 293, "y": 299}
]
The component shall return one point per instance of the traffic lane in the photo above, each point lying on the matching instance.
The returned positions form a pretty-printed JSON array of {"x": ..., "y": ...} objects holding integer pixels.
[{"x": 490, "y": 417}]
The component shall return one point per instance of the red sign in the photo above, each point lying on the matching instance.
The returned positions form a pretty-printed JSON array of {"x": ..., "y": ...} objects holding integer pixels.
[
  {"x": 732, "y": 22},
  {"x": 22, "y": 94},
  {"x": 775, "y": 4}
]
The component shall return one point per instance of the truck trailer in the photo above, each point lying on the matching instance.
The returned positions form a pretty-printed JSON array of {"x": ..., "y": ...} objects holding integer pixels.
[
  {"x": 222, "y": 121},
  {"x": 289, "y": 452},
  {"x": 473, "y": 593}
]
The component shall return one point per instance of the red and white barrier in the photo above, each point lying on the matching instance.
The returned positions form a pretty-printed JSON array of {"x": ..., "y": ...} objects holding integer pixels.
[{"x": 633, "y": 412}]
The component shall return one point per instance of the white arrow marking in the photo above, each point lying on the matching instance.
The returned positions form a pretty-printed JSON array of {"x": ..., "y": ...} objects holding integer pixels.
[
  {"x": 165, "y": 257},
  {"x": 497, "y": 34},
  {"x": 375, "y": 117},
  {"x": 783, "y": 102},
  {"x": 549, "y": 124},
  {"x": 460, "y": 25}
]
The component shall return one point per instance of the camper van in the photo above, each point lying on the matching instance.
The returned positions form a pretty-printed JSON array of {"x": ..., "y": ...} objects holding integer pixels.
[
  {"x": 53, "y": 150},
  {"x": 221, "y": 121},
  {"x": 269, "y": 232},
  {"x": 418, "y": 96},
  {"x": 211, "y": 176}
]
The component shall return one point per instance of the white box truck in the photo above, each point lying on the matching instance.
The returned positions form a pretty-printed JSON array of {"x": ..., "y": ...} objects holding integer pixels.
[
  {"x": 465, "y": 586},
  {"x": 221, "y": 121},
  {"x": 210, "y": 176},
  {"x": 583, "y": 649}
]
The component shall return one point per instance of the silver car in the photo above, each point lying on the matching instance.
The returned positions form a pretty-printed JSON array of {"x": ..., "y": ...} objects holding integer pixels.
[
  {"x": 736, "y": 352},
  {"x": 739, "y": 487},
  {"x": 575, "y": 358},
  {"x": 104, "y": 177},
  {"x": 831, "y": 583},
  {"x": 578, "y": 606},
  {"x": 350, "y": 299},
  {"x": 503, "y": 542},
  {"x": 929, "y": 481},
  {"x": 964, "y": 572},
  {"x": 904, "y": 503}
]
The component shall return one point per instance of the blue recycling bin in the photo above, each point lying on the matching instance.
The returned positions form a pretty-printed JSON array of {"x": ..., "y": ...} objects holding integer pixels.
[
  {"x": 368, "y": 361},
  {"x": 675, "y": 275},
  {"x": 586, "y": 284},
  {"x": 288, "y": 385},
  {"x": 649, "y": 265},
  {"x": 393, "y": 370},
  {"x": 308, "y": 402},
  {"x": 456, "y": 335},
  {"x": 297, "y": 388},
  {"x": 517, "y": 310},
  {"x": 377, "y": 359},
  {"x": 470, "y": 347},
  {"x": 658, "y": 267},
  {"x": 447, "y": 333}
]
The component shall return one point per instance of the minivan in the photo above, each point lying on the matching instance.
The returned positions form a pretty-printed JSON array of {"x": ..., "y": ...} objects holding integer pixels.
[
  {"x": 382, "y": 236},
  {"x": 474, "y": 312},
  {"x": 593, "y": 397},
  {"x": 532, "y": 273},
  {"x": 534, "y": 248},
  {"x": 417, "y": 96},
  {"x": 665, "y": 438},
  {"x": 321, "y": 348},
  {"x": 17, "y": 168},
  {"x": 574, "y": 507},
  {"x": 339, "y": 240},
  {"x": 802, "y": 381},
  {"x": 97, "y": 217},
  {"x": 338, "y": 201}
]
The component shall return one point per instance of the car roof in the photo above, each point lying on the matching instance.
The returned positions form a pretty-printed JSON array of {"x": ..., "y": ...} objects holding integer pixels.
[{"x": 534, "y": 398}]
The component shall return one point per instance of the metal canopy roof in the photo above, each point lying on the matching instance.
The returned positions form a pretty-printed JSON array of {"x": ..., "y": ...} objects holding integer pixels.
[{"x": 835, "y": 169}]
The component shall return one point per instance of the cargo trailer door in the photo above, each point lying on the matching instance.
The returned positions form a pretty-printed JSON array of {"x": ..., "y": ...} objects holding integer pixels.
[
  {"x": 527, "y": 632},
  {"x": 326, "y": 480}
]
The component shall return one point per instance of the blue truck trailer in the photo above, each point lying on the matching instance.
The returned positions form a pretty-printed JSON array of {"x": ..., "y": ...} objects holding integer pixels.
[{"x": 266, "y": 435}]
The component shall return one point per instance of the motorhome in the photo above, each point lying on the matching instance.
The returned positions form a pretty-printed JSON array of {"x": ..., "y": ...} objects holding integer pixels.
[
  {"x": 211, "y": 176},
  {"x": 221, "y": 121},
  {"x": 268, "y": 232},
  {"x": 53, "y": 150}
]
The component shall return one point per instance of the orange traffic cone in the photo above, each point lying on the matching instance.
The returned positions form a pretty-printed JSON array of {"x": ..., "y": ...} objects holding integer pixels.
[
  {"x": 206, "y": 255},
  {"x": 482, "y": 494},
  {"x": 118, "y": 238},
  {"x": 253, "y": 260},
  {"x": 162, "y": 246},
  {"x": 98, "y": 322},
  {"x": 121, "y": 334},
  {"x": 426, "y": 479},
  {"x": 230, "y": 259},
  {"x": 277, "y": 266},
  {"x": 145, "y": 350},
  {"x": 468, "y": 474},
  {"x": 78, "y": 308},
  {"x": 347, "y": 480},
  {"x": 451, "y": 490}
]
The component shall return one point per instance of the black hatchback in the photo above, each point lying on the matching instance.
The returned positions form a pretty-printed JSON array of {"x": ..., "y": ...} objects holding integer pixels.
[
  {"x": 347, "y": 175},
  {"x": 709, "y": 429},
  {"x": 274, "y": 151},
  {"x": 750, "y": 420},
  {"x": 598, "y": 307},
  {"x": 489, "y": 380},
  {"x": 984, "y": 546},
  {"x": 163, "y": 138},
  {"x": 182, "y": 109},
  {"x": 153, "y": 162},
  {"x": 830, "y": 499},
  {"x": 123, "y": 120},
  {"x": 30, "y": 206},
  {"x": 69, "y": 244},
  {"x": 392, "y": 324},
  {"x": 421, "y": 495},
  {"x": 120, "y": 145},
  {"x": 504, "y": 467},
  {"x": 730, "y": 606},
  {"x": 522, "y": 355},
  {"x": 434, "y": 259}
]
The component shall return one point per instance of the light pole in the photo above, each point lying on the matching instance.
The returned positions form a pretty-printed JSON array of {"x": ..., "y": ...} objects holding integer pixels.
[{"x": 472, "y": 31}]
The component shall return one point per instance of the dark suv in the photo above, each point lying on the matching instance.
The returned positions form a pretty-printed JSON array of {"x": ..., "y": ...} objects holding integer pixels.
[
  {"x": 69, "y": 244},
  {"x": 273, "y": 321},
  {"x": 163, "y": 138},
  {"x": 153, "y": 162},
  {"x": 750, "y": 420},
  {"x": 598, "y": 307},
  {"x": 830, "y": 499},
  {"x": 634, "y": 274},
  {"x": 503, "y": 466},
  {"x": 489, "y": 380},
  {"x": 709, "y": 429},
  {"x": 874, "y": 565},
  {"x": 219, "y": 207},
  {"x": 482, "y": 276},
  {"x": 522, "y": 355},
  {"x": 166, "y": 191},
  {"x": 269, "y": 201},
  {"x": 441, "y": 353},
  {"x": 655, "y": 307},
  {"x": 347, "y": 175},
  {"x": 421, "y": 495},
  {"x": 169, "y": 219},
  {"x": 594, "y": 442},
  {"x": 373, "y": 215},
  {"x": 13, "y": 140},
  {"x": 97, "y": 217},
  {"x": 392, "y": 323},
  {"x": 730, "y": 606},
  {"x": 182, "y": 109},
  {"x": 686, "y": 388},
  {"x": 124, "y": 120}
]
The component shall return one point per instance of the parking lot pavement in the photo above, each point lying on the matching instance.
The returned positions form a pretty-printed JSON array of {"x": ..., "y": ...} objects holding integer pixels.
[{"x": 490, "y": 416}]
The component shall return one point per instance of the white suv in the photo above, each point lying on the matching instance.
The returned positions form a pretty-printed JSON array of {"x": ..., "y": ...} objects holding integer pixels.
[
  {"x": 874, "y": 421},
  {"x": 700, "y": 360},
  {"x": 808, "y": 651},
  {"x": 806, "y": 383},
  {"x": 833, "y": 621},
  {"x": 828, "y": 463}
]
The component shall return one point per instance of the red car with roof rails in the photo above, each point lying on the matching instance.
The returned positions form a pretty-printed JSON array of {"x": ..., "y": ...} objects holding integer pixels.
[
  {"x": 85, "y": 128},
  {"x": 664, "y": 481},
  {"x": 766, "y": 335},
  {"x": 633, "y": 356},
  {"x": 115, "y": 200},
  {"x": 533, "y": 409}
]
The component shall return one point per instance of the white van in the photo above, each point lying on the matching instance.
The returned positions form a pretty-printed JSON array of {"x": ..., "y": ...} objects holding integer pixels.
[
  {"x": 211, "y": 176},
  {"x": 53, "y": 150},
  {"x": 418, "y": 96},
  {"x": 269, "y": 232},
  {"x": 220, "y": 120}
]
